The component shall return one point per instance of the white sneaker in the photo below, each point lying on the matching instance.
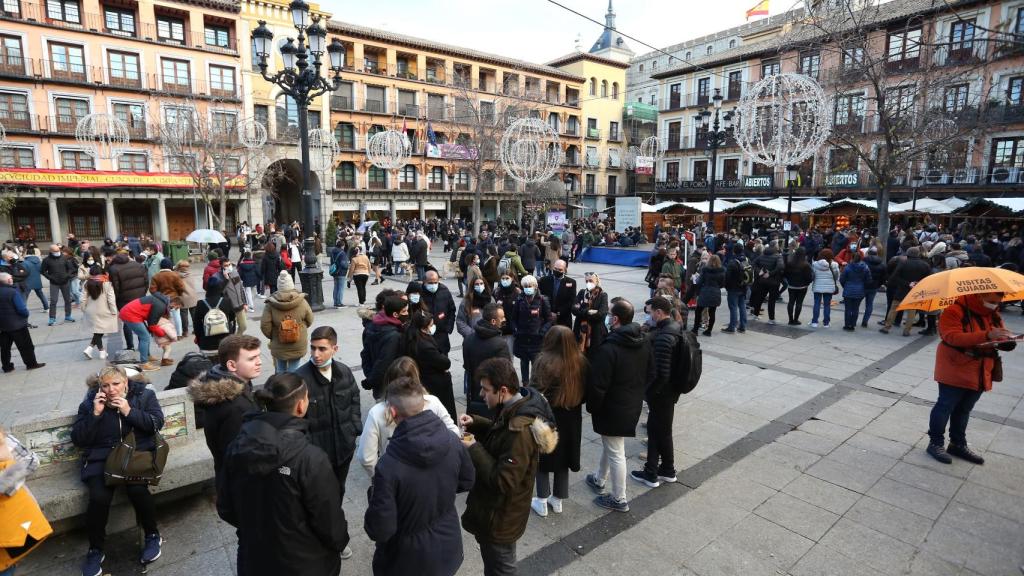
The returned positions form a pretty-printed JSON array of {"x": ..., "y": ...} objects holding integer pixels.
[
  {"x": 88, "y": 352},
  {"x": 540, "y": 506},
  {"x": 556, "y": 504},
  {"x": 103, "y": 354},
  {"x": 825, "y": 325},
  {"x": 771, "y": 322},
  {"x": 814, "y": 324}
]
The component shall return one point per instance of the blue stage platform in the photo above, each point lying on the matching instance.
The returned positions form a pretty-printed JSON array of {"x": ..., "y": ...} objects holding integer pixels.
[{"x": 638, "y": 257}]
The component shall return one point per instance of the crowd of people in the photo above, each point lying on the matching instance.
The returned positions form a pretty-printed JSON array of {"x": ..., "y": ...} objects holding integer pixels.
[{"x": 282, "y": 449}]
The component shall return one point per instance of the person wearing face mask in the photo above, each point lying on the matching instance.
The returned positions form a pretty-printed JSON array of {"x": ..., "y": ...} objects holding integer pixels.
[
  {"x": 530, "y": 320},
  {"x": 61, "y": 271},
  {"x": 359, "y": 270},
  {"x": 419, "y": 343},
  {"x": 382, "y": 341},
  {"x": 560, "y": 290},
  {"x": 966, "y": 365},
  {"x": 274, "y": 475},
  {"x": 505, "y": 295},
  {"x": 438, "y": 300},
  {"x": 472, "y": 271},
  {"x": 469, "y": 308},
  {"x": 234, "y": 292},
  {"x": 590, "y": 310}
]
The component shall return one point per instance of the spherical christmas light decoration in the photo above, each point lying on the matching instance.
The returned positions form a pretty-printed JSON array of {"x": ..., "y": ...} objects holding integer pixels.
[
  {"x": 388, "y": 150},
  {"x": 629, "y": 158},
  {"x": 530, "y": 150},
  {"x": 783, "y": 119},
  {"x": 252, "y": 133},
  {"x": 653, "y": 147},
  {"x": 322, "y": 149},
  {"x": 939, "y": 130},
  {"x": 102, "y": 134}
]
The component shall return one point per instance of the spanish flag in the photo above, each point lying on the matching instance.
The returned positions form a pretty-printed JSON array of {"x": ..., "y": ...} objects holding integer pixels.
[{"x": 761, "y": 9}]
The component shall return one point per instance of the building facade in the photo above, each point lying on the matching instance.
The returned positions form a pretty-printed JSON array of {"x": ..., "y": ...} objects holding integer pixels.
[{"x": 918, "y": 48}]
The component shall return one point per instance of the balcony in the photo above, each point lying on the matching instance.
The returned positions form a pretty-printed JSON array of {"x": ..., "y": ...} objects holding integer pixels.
[
  {"x": 377, "y": 185},
  {"x": 960, "y": 53},
  {"x": 850, "y": 126},
  {"x": 10, "y": 64},
  {"x": 851, "y": 74},
  {"x": 593, "y": 134},
  {"x": 462, "y": 186},
  {"x": 341, "y": 103},
  {"x": 675, "y": 142},
  {"x": 437, "y": 186},
  {"x": 16, "y": 120},
  {"x": 675, "y": 101},
  {"x": 436, "y": 113},
  {"x": 64, "y": 123},
  {"x": 533, "y": 93},
  {"x": 348, "y": 143},
  {"x": 344, "y": 184},
  {"x": 407, "y": 186},
  {"x": 374, "y": 67},
  {"x": 1006, "y": 113},
  {"x": 571, "y": 131},
  {"x": 615, "y": 136},
  {"x": 410, "y": 110},
  {"x": 571, "y": 161},
  {"x": 125, "y": 81},
  {"x": 903, "y": 66},
  {"x": 375, "y": 106}
]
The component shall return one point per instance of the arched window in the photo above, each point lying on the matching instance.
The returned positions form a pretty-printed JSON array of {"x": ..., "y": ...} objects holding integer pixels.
[
  {"x": 487, "y": 182},
  {"x": 553, "y": 121},
  {"x": 710, "y": 49},
  {"x": 654, "y": 65},
  {"x": 593, "y": 86},
  {"x": 376, "y": 178},
  {"x": 732, "y": 43},
  {"x": 604, "y": 88},
  {"x": 615, "y": 90},
  {"x": 345, "y": 175},
  {"x": 407, "y": 177}
]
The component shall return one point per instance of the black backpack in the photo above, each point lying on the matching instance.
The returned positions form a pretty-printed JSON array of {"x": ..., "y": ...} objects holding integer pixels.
[
  {"x": 687, "y": 363},
  {"x": 188, "y": 369}
]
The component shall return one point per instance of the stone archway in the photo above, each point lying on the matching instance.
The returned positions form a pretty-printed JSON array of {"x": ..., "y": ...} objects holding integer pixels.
[{"x": 283, "y": 191}]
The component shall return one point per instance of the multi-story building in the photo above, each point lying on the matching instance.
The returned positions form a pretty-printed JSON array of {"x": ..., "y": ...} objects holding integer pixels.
[
  {"x": 60, "y": 61},
  {"x": 918, "y": 47}
]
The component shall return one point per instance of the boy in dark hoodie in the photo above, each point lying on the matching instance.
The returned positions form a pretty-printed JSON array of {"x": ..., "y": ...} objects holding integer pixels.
[{"x": 381, "y": 342}]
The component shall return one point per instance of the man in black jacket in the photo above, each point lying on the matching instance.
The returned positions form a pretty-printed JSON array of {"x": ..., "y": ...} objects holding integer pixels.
[
  {"x": 529, "y": 253},
  {"x": 620, "y": 369},
  {"x": 128, "y": 279},
  {"x": 560, "y": 290},
  {"x": 661, "y": 398},
  {"x": 381, "y": 342},
  {"x": 439, "y": 302},
  {"x": 14, "y": 326},
  {"x": 736, "y": 290},
  {"x": 60, "y": 270},
  {"x": 411, "y": 515},
  {"x": 901, "y": 282},
  {"x": 418, "y": 255},
  {"x": 485, "y": 342}
]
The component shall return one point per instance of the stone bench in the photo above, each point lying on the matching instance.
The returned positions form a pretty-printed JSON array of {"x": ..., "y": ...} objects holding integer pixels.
[{"x": 62, "y": 495}]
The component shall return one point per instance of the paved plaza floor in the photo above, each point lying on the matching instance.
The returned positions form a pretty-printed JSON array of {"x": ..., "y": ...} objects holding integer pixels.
[{"x": 801, "y": 452}]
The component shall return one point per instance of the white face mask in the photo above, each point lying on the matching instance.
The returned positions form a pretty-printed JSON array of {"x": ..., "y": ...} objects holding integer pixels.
[
  {"x": 591, "y": 285},
  {"x": 478, "y": 288},
  {"x": 432, "y": 329}
]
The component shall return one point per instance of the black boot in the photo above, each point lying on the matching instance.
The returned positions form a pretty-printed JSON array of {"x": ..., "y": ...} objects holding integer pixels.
[
  {"x": 964, "y": 451},
  {"x": 939, "y": 453}
]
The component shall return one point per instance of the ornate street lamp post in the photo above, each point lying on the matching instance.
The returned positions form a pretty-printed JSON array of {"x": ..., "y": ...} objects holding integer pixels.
[
  {"x": 300, "y": 79},
  {"x": 716, "y": 131},
  {"x": 792, "y": 177}
]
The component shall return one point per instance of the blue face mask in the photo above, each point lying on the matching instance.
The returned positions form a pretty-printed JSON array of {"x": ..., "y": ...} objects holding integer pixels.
[
  {"x": 414, "y": 298},
  {"x": 431, "y": 288},
  {"x": 506, "y": 283},
  {"x": 608, "y": 323},
  {"x": 529, "y": 290},
  {"x": 478, "y": 288}
]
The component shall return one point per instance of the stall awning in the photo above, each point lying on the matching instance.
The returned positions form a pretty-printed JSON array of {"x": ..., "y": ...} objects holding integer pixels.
[
  {"x": 720, "y": 205},
  {"x": 928, "y": 206},
  {"x": 1013, "y": 205},
  {"x": 869, "y": 204}
]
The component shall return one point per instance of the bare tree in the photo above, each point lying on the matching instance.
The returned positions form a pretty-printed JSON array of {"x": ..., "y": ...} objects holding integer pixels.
[{"x": 905, "y": 100}]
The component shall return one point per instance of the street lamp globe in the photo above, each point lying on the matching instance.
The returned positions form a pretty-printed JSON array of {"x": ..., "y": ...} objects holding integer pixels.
[
  {"x": 336, "y": 50},
  {"x": 316, "y": 34},
  {"x": 300, "y": 13},
  {"x": 261, "y": 41},
  {"x": 288, "y": 53}
]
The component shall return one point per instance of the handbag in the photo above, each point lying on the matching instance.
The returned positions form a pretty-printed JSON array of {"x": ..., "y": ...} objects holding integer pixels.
[{"x": 127, "y": 465}]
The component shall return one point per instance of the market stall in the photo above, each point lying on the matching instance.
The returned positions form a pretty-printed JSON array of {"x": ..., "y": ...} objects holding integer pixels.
[{"x": 846, "y": 212}]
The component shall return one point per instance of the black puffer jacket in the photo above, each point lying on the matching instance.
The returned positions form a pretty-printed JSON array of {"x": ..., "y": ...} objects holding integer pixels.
[
  {"x": 877, "y": 269},
  {"x": 221, "y": 400},
  {"x": 710, "y": 287},
  {"x": 506, "y": 298},
  {"x": 334, "y": 416},
  {"x": 270, "y": 266},
  {"x": 59, "y": 270},
  {"x": 97, "y": 435},
  {"x": 128, "y": 278},
  {"x": 485, "y": 342},
  {"x": 619, "y": 372},
  {"x": 279, "y": 491},
  {"x": 412, "y": 515},
  {"x": 663, "y": 338},
  {"x": 530, "y": 320},
  {"x": 381, "y": 344},
  {"x": 912, "y": 270}
]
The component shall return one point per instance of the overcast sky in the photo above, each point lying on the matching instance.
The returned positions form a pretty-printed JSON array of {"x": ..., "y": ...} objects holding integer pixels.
[{"x": 539, "y": 31}]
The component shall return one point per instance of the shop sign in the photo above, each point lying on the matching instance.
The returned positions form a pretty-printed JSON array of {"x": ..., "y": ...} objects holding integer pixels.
[
  {"x": 341, "y": 205},
  {"x": 101, "y": 179},
  {"x": 378, "y": 205},
  {"x": 758, "y": 182},
  {"x": 407, "y": 205},
  {"x": 644, "y": 165},
  {"x": 434, "y": 205},
  {"x": 842, "y": 180}
]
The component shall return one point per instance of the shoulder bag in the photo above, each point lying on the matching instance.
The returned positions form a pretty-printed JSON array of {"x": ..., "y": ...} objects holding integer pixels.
[{"x": 127, "y": 465}]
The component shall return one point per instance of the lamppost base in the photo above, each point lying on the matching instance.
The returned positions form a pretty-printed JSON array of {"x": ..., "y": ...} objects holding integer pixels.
[{"x": 312, "y": 286}]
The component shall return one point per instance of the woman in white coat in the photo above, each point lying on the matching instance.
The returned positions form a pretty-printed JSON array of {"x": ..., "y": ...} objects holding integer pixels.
[
  {"x": 100, "y": 308},
  {"x": 379, "y": 426}
]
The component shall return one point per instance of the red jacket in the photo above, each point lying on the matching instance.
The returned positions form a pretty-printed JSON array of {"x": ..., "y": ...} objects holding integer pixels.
[
  {"x": 148, "y": 310},
  {"x": 958, "y": 361},
  {"x": 211, "y": 269}
]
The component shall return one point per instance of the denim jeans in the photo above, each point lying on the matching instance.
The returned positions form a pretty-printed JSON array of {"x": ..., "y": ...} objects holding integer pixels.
[
  {"x": 142, "y": 333},
  {"x": 737, "y": 309},
  {"x": 953, "y": 406},
  {"x": 64, "y": 291},
  {"x": 339, "y": 290},
  {"x": 869, "y": 305},
  {"x": 282, "y": 366},
  {"x": 822, "y": 299},
  {"x": 8, "y": 572},
  {"x": 538, "y": 271},
  {"x": 76, "y": 290},
  {"x": 852, "y": 310}
]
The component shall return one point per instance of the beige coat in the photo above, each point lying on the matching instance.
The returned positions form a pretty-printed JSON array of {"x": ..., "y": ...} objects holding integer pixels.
[
  {"x": 101, "y": 312},
  {"x": 189, "y": 299},
  {"x": 280, "y": 304}
]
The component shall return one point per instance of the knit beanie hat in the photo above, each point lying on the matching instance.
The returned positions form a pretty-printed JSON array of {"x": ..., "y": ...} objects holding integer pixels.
[{"x": 284, "y": 281}]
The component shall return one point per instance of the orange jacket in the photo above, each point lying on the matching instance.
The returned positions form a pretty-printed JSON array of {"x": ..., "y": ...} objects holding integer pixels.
[
  {"x": 20, "y": 519},
  {"x": 958, "y": 361}
]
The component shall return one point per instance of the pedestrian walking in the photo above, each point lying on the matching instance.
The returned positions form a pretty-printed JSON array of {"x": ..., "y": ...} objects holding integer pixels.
[
  {"x": 14, "y": 327},
  {"x": 505, "y": 454},
  {"x": 359, "y": 271},
  {"x": 825, "y": 285},
  {"x": 531, "y": 318},
  {"x": 768, "y": 272},
  {"x": 339, "y": 271},
  {"x": 739, "y": 277},
  {"x": 661, "y": 397},
  {"x": 411, "y": 514},
  {"x": 250, "y": 274},
  {"x": 619, "y": 372},
  {"x": 561, "y": 377},
  {"x": 855, "y": 278},
  {"x": 285, "y": 321},
  {"x": 61, "y": 271},
  {"x": 878, "y": 279},
  {"x": 100, "y": 308},
  {"x": 798, "y": 276},
  {"x": 274, "y": 476},
  {"x": 271, "y": 266},
  {"x": 34, "y": 279},
  {"x": 709, "y": 285},
  {"x": 114, "y": 407}
]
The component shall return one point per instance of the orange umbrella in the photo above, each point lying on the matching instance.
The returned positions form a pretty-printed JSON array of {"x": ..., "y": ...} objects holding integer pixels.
[{"x": 939, "y": 291}]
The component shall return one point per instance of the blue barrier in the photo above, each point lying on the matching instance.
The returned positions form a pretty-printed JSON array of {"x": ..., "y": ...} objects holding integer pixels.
[{"x": 617, "y": 256}]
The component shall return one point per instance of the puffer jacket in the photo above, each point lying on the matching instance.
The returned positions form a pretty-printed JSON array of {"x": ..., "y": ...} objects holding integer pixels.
[
  {"x": 958, "y": 360},
  {"x": 249, "y": 272},
  {"x": 710, "y": 287},
  {"x": 877, "y": 269},
  {"x": 506, "y": 456},
  {"x": 147, "y": 310},
  {"x": 381, "y": 343},
  {"x": 221, "y": 400},
  {"x": 128, "y": 278},
  {"x": 97, "y": 435},
  {"x": 663, "y": 338},
  {"x": 279, "y": 306},
  {"x": 531, "y": 319},
  {"x": 620, "y": 369},
  {"x": 956, "y": 259},
  {"x": 59, "y": 270},
  {"x": 33, "y": 279},
  {"x": 855, "y": 278},
  {"x": 334, "y": 416},
  {"x": 826, "y": 277},
  {"x": 279, "y": 491},
  {"x": 908, "y": 272}
]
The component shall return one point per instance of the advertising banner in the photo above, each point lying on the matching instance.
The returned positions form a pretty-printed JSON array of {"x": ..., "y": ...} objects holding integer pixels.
[
  {"x": 101, "y": 179},
  {"x": 644, "y": 165},
  {"x": 456, "y": 151},
  {"x": 627, "y": 213}
]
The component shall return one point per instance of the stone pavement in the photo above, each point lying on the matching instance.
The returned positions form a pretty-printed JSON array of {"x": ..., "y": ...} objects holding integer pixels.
[{"x": 801, "y": 453}]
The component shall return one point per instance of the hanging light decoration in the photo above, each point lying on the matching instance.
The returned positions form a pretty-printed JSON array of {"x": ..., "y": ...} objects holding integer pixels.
[
  {"x": 102, "y": 134},
  {"x": 652, "y": 147},
  {"x": 530, "y": 150},
  {"x": 252, "y": 133},
  {"x": 939, "y": 130},
  {"x": 629, "y": 158},
  {"x": 783, "y": 120},
  {"x": 322, "y": 149},
  {"x": 388, "y": 150}
]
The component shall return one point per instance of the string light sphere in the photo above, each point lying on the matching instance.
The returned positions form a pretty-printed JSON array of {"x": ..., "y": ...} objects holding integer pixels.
[
  {"x": 322, "y": 149},
  {"x": 102, "y": 134},
  {"x": 530, "y": 150},
  {"x": 784, "y": 119},
  {"x": 388, "y": 150},
  {"x": 252, "y": 133},
  {"x": 653, "y": 147},
  {"x": 629, "y": 158},
  {"x": 939, "y": 130}
]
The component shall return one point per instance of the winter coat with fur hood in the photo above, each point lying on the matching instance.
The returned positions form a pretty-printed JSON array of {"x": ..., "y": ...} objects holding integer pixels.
[{"x": 221, "y": 400}]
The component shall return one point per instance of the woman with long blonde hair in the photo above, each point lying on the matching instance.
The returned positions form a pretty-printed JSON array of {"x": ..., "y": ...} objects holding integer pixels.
[{"x": 559, "y": 374}]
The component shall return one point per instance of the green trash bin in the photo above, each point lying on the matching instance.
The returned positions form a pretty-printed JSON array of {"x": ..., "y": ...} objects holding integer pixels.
[{"x": 176, "y": 251}]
